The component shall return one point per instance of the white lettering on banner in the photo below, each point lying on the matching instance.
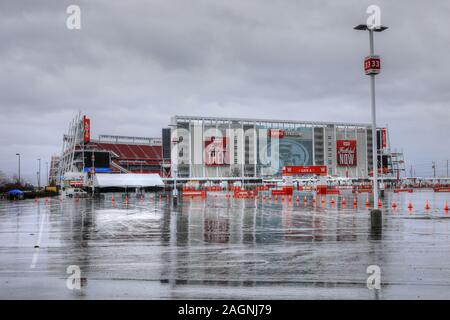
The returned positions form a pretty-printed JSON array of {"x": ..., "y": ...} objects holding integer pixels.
[{"x": 346, "y": 152}]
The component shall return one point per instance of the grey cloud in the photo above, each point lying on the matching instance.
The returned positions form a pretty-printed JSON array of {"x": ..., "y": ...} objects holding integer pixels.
[{"x": 136, "y": 63}]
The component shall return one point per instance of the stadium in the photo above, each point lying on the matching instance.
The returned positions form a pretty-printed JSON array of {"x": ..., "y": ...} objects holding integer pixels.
[
  {"x": 82, "y": 155},
  {"x": 213, "y": 148}
]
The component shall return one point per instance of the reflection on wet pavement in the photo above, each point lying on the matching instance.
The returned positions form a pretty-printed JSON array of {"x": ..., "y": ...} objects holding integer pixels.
[{"x": 224, "y": 248}]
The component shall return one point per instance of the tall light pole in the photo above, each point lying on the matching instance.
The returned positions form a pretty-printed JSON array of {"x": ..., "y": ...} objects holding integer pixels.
[
  {"x": 18, "y": 154},
  {"x": 46, "y": 175},
  {"x": 39, "y": 174},
  {"x": 372, "y": 66}
]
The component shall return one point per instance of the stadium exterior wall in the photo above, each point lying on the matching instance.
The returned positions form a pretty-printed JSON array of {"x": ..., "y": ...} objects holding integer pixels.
[{"x": 214, "y": 147}]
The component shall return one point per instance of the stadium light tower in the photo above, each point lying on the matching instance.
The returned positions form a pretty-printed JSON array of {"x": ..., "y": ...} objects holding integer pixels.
[{"x": 372, "y": 66}]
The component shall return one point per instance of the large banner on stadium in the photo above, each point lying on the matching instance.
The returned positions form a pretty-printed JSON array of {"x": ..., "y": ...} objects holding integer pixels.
[
  {"x": 291, "y": 147},
  {"x": 86, "y": 129},
  {"x": 383, "y": 138},
  {"x": 216, "y": 153},
  {"x": 346, "y": 153}
]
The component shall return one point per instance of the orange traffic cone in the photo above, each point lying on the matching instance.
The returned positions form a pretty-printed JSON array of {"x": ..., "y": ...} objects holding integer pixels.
[
  {"x": 379, "y": 203},
  {"x": 427, "y": 206},
  {"x": 305, "y": 200},
  {"x": 332, "y": 200},
  {"x": 394, "y": 205},
  {"x": 112, "y": 199},
  {"x": 410, "y": 206},
  {"x": 354, "y": 201},
  {"x": 314, "y": 199},
  {"x": 446, "y": 206},
  {"x": 367, "y": 202},
  {"x": 344, "y": 202}
]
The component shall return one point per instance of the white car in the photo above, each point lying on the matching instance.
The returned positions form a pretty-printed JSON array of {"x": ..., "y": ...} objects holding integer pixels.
[{"x": 72, "y": 192}]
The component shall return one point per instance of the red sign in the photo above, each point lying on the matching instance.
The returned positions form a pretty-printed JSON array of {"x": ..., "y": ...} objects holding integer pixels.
[
  {"x": 216, "y": 153},
  {"x": 291, "y": 170},
  {"x": 276, "y": 133},
  {"x": 383, "y": 138},
  {"x": 346, "y": 153},
  {"x": 86, "y": 129},
  {"x": 372, "y": 65}
]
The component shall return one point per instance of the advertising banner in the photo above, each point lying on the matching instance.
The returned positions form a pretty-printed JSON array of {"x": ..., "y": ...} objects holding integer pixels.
[
  {"x": 346, "y": 153},
  {"x": 275, "y": 133},
  {"x": 86, "y": 129},
  {"x": 216, "y": 153},
  {"x": 300, "y": 170},
  {"x": 383, "y": 138}
]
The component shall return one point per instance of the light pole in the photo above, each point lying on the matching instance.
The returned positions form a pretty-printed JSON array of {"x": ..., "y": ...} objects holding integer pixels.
[
  {"x": 46, "y": 170},
  {"x": 174, "y": 166},
  {"x": 39, "y": 174},
  {"x": 447, "y": 168},
  {"x": 372, "y": 66},
  {"x": 18, "y": 155}
]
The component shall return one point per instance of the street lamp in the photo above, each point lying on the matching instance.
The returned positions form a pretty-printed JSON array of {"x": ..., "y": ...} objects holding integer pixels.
[
  {"x": 174, "y": 166},
  {"x": 18, "y": 154},
  {"x": 46, "y": 171},
  {"x": 39, "y": 174},
  {"x": 372, "y": 65}
]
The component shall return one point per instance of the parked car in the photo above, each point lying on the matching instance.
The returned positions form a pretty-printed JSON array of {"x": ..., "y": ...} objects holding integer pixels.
[{"x": 73, "y": 192}]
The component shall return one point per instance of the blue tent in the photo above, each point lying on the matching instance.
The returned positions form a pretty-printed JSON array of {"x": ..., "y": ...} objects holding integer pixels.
[{"x": 15, "y": 192}]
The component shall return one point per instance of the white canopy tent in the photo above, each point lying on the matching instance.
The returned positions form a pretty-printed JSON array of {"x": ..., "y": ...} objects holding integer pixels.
[{"x": 125, "y": 180}]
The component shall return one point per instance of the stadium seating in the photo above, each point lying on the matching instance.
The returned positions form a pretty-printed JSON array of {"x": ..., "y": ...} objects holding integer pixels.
[{"x": 140, "y": 157}]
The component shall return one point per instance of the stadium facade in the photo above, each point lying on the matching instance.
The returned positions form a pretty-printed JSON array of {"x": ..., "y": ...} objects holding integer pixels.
[
  {"x": 202, "y": 148},
  {"x": 215, "y": 147}
]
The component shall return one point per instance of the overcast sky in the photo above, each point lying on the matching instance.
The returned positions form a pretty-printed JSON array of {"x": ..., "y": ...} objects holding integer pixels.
[{"x": 134, "y": 64}]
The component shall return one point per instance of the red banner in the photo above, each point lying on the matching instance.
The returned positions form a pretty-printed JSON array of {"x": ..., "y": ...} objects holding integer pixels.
[
  {"x": 383, "y": 138},
  {"x": 216, "y": 153},
  {"x": 346, "y": 153},
  {"x": 276, "y": 133},
  {"x": 300, "y": 170},
  {"x": 86, "y": 129}
]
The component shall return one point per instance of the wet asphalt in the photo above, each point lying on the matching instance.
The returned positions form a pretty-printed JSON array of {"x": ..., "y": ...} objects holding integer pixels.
[{"x": 224, "y": 248}]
